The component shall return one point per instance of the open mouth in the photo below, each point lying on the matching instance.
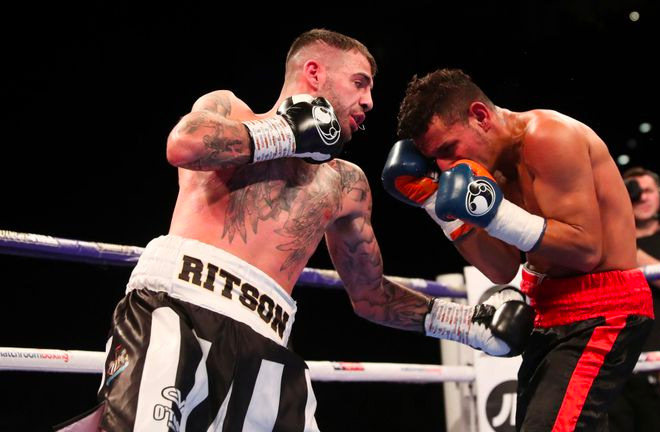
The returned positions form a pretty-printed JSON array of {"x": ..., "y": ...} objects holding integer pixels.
[{"x": 356, "y": 121}]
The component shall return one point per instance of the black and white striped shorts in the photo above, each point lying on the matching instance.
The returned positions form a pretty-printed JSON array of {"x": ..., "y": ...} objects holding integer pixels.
[{"x": 174, "y": 366}]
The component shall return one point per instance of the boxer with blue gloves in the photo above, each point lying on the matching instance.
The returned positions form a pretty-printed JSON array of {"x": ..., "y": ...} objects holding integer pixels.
[
  {"x": 468, "y": 192},
  {"x": 464, "y": 196},
  {"x": 502, "y": 324},
  {"x": 560, "y": 199}
]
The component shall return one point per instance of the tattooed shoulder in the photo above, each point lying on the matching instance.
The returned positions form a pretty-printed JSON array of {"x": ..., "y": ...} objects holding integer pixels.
[
  {"x": 352, "y": 179},
  {"x": 219, "y": 102}
]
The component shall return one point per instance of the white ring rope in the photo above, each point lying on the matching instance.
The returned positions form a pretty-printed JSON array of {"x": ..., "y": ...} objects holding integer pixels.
[{"x": 53, "y": 360}]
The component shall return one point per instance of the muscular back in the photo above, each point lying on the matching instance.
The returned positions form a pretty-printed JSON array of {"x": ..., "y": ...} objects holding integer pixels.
[
  {"x": 271, "y": 214},
  {"x": 567, "y": 174}
]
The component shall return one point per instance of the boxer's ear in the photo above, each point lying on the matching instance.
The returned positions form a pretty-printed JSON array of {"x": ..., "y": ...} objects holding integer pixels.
[
  {"x": 481, "y": 115},
  {"x": 313, "y": 74}
]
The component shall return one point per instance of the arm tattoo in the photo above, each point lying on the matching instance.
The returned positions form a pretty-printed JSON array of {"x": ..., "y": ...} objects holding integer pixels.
[
  {"x": 225, "y": 148},
  {"x": 223, "y": 105},
  {"x": 218, "y": 104},
  {"x": 360, "y": 256},
  {"x": 401, "y": 307},
  {"x": 353, "y": 183},
  {"x": 224, "y": 145},
  {"x": 375, "y": 297}
]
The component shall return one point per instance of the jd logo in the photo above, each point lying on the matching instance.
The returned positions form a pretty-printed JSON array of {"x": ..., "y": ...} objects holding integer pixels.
[{"x": 501, "y": 407}]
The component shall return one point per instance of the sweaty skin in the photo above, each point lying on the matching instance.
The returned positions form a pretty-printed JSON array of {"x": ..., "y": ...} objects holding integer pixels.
[
  {"x": 274, "y": 214},
  {"x": 555, "y": 167}
]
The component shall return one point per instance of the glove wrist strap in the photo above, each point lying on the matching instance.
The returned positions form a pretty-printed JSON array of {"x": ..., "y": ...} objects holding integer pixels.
[
  {"x": 516, "y": 226},
  {"x": 271, "y": 138},
  {"x": 447, "y": 320}
]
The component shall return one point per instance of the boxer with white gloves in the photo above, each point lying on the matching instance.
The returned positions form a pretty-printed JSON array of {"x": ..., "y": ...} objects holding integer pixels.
[
  {"x": 202, "y": 333},
  {"x": 304, "y": 127}
]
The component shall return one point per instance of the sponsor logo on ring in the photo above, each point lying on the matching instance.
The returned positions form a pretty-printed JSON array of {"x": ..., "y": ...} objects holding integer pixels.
[
  {"x": 501, "y": 407},
  {"x": 347, "y": 366}
]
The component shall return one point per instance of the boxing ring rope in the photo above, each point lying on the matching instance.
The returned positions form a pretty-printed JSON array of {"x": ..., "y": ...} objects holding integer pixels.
[
  {"x": 42, "y": 246},
  {"x": 54, "y": 360}
]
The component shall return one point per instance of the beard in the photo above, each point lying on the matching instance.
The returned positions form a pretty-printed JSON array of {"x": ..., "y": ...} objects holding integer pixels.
[{"x": 341, "y": 112}]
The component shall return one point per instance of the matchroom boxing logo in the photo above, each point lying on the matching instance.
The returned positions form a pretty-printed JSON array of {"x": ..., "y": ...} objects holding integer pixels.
[{"x": 501, "y": 407}]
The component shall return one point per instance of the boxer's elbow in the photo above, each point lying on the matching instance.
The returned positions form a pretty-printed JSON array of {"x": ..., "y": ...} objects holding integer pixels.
[
  {"x": 179, "y": 149},
  {"x": 580, "y": 256},
  {"x": 185, "y": 143},
  {"x": 369, "y": 311},
  {"x": 583, "y": 251},
  {"x": 363, "y": 310},
  {"x": 588, "y": 257},
  {"x": 500, "y": 267},
  {"x": 501, "y": 275}
]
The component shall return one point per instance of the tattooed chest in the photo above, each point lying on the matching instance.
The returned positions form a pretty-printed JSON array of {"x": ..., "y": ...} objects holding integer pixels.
[
  {"x": 294, "y": 211},
  {"x": 279, "y": 215}
]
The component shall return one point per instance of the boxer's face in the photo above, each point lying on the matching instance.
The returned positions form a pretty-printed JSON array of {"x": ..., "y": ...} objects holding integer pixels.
[
  {"x": 348, "y": 87},
  {"x": 447, "y": 143},
  {"x": 647, "y": 206}
]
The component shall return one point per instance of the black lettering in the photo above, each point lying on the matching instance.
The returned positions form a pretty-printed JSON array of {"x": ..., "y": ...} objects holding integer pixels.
[
  {"x": 279, "y": 322},
  {"x": 249, "y": 296},
  {"x": 194, "y": 266},
  {"x": 210, "y": 276},
  {"x": 230, "y": 280},
  {"x": 266, "y": 315}
]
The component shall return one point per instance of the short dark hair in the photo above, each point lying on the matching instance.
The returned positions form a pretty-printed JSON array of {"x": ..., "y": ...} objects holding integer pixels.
[
  {"x": 639, "y": 171},
  {"x": 446, "y": 92},
  {"x": 334, "y": 39}
]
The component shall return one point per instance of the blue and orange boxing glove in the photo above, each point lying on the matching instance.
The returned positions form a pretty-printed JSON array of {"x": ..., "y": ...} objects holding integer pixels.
[
  {"x": 413, "y": 179},
  {"x": 467, "y": 191}
]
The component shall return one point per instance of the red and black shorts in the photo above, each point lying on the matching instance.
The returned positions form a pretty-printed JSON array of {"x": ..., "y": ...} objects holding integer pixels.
[{"x": 588, "y": 335}]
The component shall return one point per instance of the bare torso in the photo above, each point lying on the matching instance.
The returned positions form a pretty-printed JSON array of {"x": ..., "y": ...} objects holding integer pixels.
[
  {"x": 613, "y": 211},
  {"x": 271, "y": 214}
]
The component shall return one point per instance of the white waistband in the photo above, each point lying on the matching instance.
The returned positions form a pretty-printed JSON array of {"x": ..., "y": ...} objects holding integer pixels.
[{"x": 216, "y": 280}]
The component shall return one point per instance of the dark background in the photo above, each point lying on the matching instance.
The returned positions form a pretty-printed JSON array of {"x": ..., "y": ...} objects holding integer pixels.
[{"x": 91, "y": 92}]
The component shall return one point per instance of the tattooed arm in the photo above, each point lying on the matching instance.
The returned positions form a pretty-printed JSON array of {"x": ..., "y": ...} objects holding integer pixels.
[
  {"x": 356, "y": 256},
  {"x": 206, "y": 139}
]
